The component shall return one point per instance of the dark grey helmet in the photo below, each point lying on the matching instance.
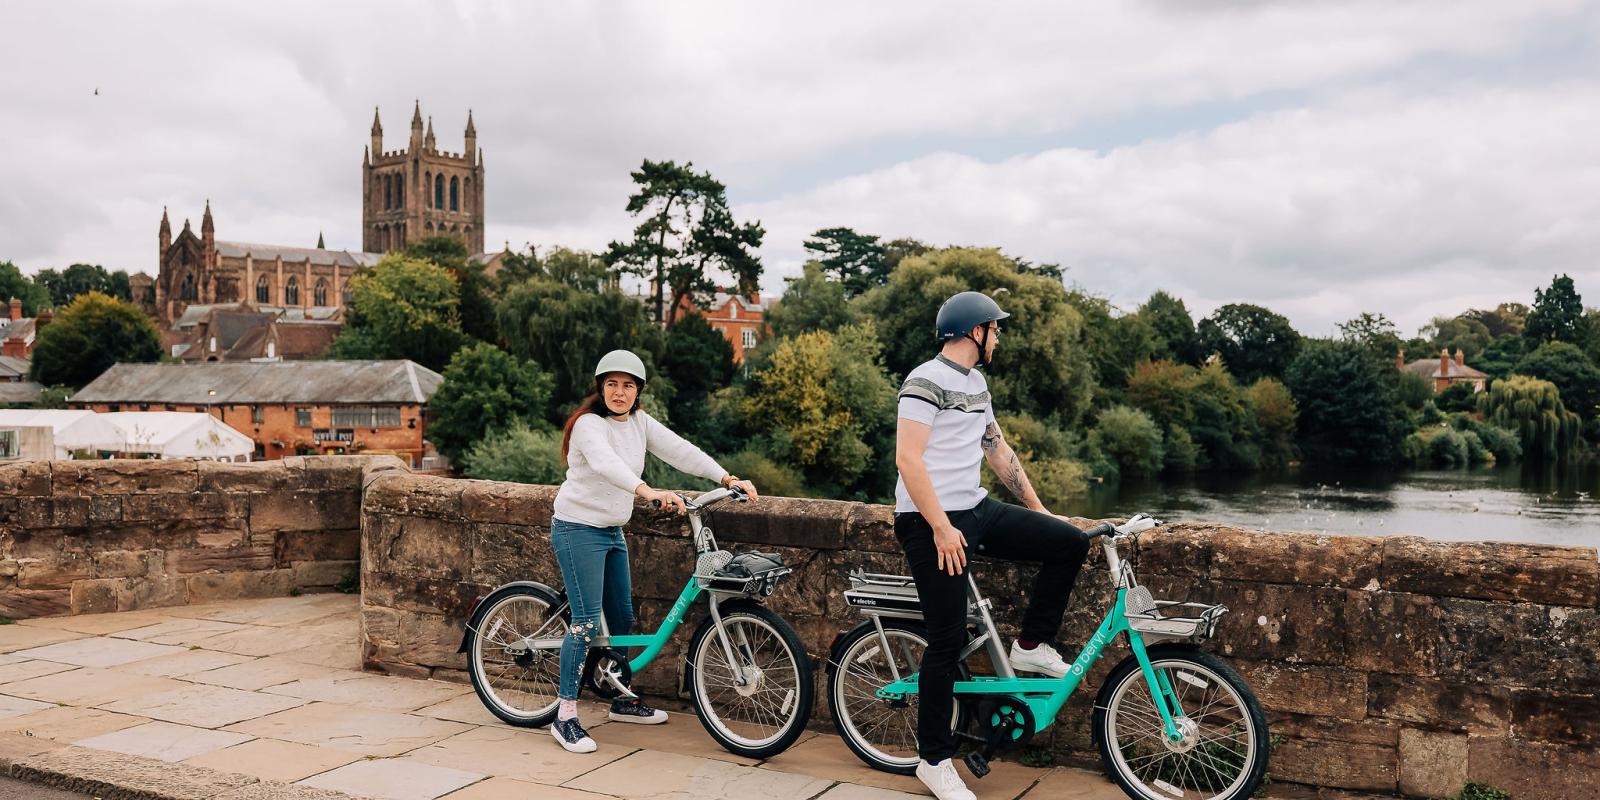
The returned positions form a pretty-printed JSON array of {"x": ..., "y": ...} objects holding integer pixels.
[{"x": 965, "y": 311}]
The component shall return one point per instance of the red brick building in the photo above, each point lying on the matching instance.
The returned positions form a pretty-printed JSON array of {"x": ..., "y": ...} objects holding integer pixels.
[
  {"x": 1444, "y": 371},
  {"x": 287, "y": 407},
  {"x": 737, "y": 317}
]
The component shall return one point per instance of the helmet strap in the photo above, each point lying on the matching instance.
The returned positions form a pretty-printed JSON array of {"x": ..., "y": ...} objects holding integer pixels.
[{"x": 983, "y": 345}]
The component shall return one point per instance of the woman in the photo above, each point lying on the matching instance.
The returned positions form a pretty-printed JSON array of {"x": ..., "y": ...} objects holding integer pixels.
[{"x": 604, "y": 444}]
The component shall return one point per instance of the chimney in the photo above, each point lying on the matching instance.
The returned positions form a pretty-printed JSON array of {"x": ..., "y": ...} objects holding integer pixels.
[
  {"x": 1444, "y": 362},
  {"x": 43, "y": 319},
  {"x": 16, "y": 309},
  {"x": 755, "y": 297},
  {"x": 1461, "y": 358}
]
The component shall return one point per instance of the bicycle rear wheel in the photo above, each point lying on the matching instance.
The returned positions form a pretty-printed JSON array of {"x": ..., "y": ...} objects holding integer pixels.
[
  {"x": 516, "y": 683},
  {"x": 766, "y": 712},
  {"x": 1223, "y": 754},
  {"x": 882, "y": 733}
]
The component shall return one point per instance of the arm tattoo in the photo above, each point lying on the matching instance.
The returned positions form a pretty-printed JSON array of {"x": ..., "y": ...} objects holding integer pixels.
[
  {"x": 991, "y": 438},
  {"x": 1013, "y": 476}
]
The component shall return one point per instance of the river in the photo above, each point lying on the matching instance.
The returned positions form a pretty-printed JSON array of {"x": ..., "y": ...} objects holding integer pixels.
[{"x": 1549, "y": 506}]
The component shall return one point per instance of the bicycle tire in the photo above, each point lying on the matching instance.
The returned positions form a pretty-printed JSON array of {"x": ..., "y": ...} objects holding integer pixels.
[
  {"x": 795, "y": 710},
  {"x": 850, "y": 649},
  {"x": 481, "y": 637},
  {"x": 1126, "y": 687}
]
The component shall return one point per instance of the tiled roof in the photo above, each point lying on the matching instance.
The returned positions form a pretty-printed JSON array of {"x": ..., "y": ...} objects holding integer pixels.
[
  {"x": 20, "y": 329},
  {"x": 13, "y": 367},
  {"x": 275, "y": 382},
  {"x": 1429, "y": 368},
  {"x": 296, "y": 255},
  {"x": 19, "y": 393}
]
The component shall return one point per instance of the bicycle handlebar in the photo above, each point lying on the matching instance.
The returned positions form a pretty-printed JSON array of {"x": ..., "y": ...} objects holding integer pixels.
[{"x": 709, "y": 499}]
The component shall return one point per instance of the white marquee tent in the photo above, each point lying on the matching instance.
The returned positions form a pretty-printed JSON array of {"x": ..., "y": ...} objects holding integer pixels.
[
  {"x": 74, "y": 430},
  {"x": 180, "y": 434}
]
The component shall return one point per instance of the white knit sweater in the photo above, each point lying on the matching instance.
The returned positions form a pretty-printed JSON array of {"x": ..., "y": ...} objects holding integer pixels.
[{"x": 604, "y": 459}]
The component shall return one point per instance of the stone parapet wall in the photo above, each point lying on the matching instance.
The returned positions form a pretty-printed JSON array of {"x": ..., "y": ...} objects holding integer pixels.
[
  {"x": 84, "y": 537},
  {"x": 1394, "y": 665}
]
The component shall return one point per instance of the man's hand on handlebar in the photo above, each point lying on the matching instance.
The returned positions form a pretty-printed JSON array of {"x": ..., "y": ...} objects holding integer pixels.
[{"x": 661, "y": 498}]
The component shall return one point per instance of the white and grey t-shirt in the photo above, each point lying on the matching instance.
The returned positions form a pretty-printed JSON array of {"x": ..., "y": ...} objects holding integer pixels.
[{"x": 954, "y": 400}]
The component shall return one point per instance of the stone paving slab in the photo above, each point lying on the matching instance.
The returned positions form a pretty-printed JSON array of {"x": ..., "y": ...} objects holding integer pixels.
[
  {"x": 394, "y": 779},
  {"x": 372, "y": 691},
  {"x": 272, "y": 760},
  {"x": 850, "y": 791},
  {"x": 254, "y": 640},
  {"x": 528, "y": 754},
  {"x": 509, "y": 789},
  {"x": 88, "y": 686},
  {"x": 253, "y": 674},
  {"x": 179, "y": 631},
  {"x": 183, "y": 664},
  {"x": 98, "y": 651},
  {"x": 826, "y": 756},
  {"x": 682, "y": 734},
  {"x": 651, "y": 775},
  {"x": 163, "y": 741},
  {"x": 336, "y": 655},
  {"x": 22, "y": 669},
  {"x": 99, "y": 624},
  {"x": 362, "y": 731},
  {"x": 23, "y": 637},
  {"x": 273, "y": 790},
  {"x": 17, "y": 706},
  {"x": 15, "y": 747},
  {"x": 204, "y": 706},
  {"x": 1065, "y": 783},
  {"x": 69, "y": 724}
]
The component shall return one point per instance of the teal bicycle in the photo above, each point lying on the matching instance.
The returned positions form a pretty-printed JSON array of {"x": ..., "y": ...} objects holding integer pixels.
[
  {"x": 746, "y": 669},
  {"x": 1172, "y": 722}
]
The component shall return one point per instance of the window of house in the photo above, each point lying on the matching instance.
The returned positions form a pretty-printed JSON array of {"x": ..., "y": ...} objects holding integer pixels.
[
  {"x": 438, "y": 191},
  {"x": 10, "y": 444},
  {"x": 263, "y": 290},
  {"x": 256, "y": 415},
  {"x": 366, "y": 417},
  {"x": 302, "y": 418},
  {"x": 455, "y": 192},
  {"x": 749, "y": 340},
  {"x": 388, "y": 192},
  {"x": 291, "y": 293},
  {"x": 319, "y": 295}
]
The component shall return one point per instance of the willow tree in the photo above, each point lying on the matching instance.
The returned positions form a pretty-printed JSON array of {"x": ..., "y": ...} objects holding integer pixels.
[{"x": 1533, "y": 409}]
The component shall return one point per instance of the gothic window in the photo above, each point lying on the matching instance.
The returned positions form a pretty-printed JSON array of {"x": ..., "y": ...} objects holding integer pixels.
[
  {"x": 400, "y": 189},
  {"x": 291, "y": 292},
  {"x": 344, "y": 294},
  {"x": 430, "y": 229},
  {"x": 438, "y": 191},
  {"x": 319, "y": 295},
  {"x": 426, "y": 180},
  {"x": 187, "y": 293},
  {"x": 263, "y": 290},
  {"x": 388, "y": 192},
  {"x": 455, "y": 192}
]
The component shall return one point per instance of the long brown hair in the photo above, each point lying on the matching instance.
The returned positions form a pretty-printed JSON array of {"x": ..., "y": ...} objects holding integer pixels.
[{"x": 593, "y": 404}]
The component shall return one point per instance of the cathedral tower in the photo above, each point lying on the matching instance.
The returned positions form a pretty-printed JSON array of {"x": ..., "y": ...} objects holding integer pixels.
[{"x": 409, "y": 195}]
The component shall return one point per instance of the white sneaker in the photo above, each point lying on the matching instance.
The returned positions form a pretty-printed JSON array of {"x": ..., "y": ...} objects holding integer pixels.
[
  {"x": 1042, "y": 658},
  {"x": 944, "y": 781},
  {"x": 572, "y": 736}
]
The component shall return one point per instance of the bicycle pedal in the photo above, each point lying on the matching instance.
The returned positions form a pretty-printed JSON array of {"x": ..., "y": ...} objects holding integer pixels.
[{"x": 976, "y": 764}]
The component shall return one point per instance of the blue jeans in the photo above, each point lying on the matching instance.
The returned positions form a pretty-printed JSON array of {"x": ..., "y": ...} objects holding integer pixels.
[{"x": 594, "y": 565}]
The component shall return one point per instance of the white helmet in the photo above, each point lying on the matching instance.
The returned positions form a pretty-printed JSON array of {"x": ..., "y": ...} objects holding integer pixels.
[{"x": 620, "y": 361}]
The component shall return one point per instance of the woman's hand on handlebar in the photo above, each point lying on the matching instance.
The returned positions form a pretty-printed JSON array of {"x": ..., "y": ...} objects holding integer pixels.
[
  {"x": 747, "y": 487},
  {"x": 662, "y": 498}
]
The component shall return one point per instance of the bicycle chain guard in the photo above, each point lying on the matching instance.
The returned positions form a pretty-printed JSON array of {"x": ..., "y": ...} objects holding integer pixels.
[{"x": 1005, "y": 723}]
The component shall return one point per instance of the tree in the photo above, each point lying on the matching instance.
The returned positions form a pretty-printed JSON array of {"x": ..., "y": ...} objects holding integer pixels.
[
  {"x": 1462, "y": 333},
  {"x": 1533, "y": 408},
  {"x": 485, "y": 389},
  {"x": 402, "y": 308},
  {"x": 687, "y": 231},
  {"x": 80, "y": 279},
  {"x": 1114, "y": 343},
  {"x": 1131, "y": 438},
  {"x": 1374, "y": 332},
  {"x": 856, "y": 260},
  {"x": 54, "y": 397},
  {"x": 1174, "y": 328},
  {"x": 1500, "y": 320},
  {"x": 1254, "y": 341},
  {"x": 91, "y": 334},
  {"x": 1224, "y": 425},
  {"x": 1502, "y": 355},
  {"x": 580, "y": 269},
  {"x": 811, "y": 302},
  {"x": 700, "y": 361},
  {"x": 1047, "y": 455},
  {"x": 14, "y": 284},
  {"x": 1557, "y": 314},
  {"x": 565, "y": 330},
  {"x": 474, "y": 307},
  {"x": 1041, "y": 367},
  {"x": 1275, "y": 413},
  {"x": 519, "y": 453},
  {"x": 826, "y": 407},
  {"x": 1348, "y": 412},
  {"x": 1570, "y": 370},
  {"x": 898, "y": 250}
]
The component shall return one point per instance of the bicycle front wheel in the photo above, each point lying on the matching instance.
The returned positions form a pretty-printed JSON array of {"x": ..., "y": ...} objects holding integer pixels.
[
  {"x": 760, "y": 716},
  {"x": 1223, "y": 752},
  {"x": 516, "y": 683}
]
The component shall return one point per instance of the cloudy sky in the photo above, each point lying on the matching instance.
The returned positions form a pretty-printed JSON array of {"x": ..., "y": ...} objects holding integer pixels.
[{"x": 1322, "y": 159}]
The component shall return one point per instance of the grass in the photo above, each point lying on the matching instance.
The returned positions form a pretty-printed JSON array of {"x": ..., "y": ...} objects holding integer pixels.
[
  {"x": 1037, "y": 757},
  {"x": 1482, "y": 791},
  {"x": 351, "y": 583},
  {"x": 5, "y": 620}
]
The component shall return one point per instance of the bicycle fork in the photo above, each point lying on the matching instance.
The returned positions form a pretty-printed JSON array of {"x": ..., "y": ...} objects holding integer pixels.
[{"x": 1161, "y": 692}]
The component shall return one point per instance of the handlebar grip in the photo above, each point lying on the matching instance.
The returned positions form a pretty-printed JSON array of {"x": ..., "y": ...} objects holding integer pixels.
[
  {"x": 655, "y": 503},
  {"x": 1103, "y": 529}
]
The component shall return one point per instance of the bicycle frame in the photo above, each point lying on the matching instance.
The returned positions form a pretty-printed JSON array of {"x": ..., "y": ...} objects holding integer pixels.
[{"x": 1045, "y": 697}]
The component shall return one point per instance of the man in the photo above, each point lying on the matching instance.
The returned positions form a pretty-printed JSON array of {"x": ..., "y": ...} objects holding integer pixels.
[{"x": 942, "y": 516}]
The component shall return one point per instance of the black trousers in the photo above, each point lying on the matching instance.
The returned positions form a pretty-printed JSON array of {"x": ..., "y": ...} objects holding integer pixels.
[{"x": 996, "y": 530}]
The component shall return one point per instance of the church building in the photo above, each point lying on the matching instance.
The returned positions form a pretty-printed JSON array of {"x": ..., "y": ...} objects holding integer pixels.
[{"x": 407, "y": 195}]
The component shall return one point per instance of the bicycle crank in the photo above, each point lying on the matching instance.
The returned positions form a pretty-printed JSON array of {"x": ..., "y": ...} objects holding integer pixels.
[
  {"x": 1004, "y": 723},
  {"x": 607, "y": 674}
]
